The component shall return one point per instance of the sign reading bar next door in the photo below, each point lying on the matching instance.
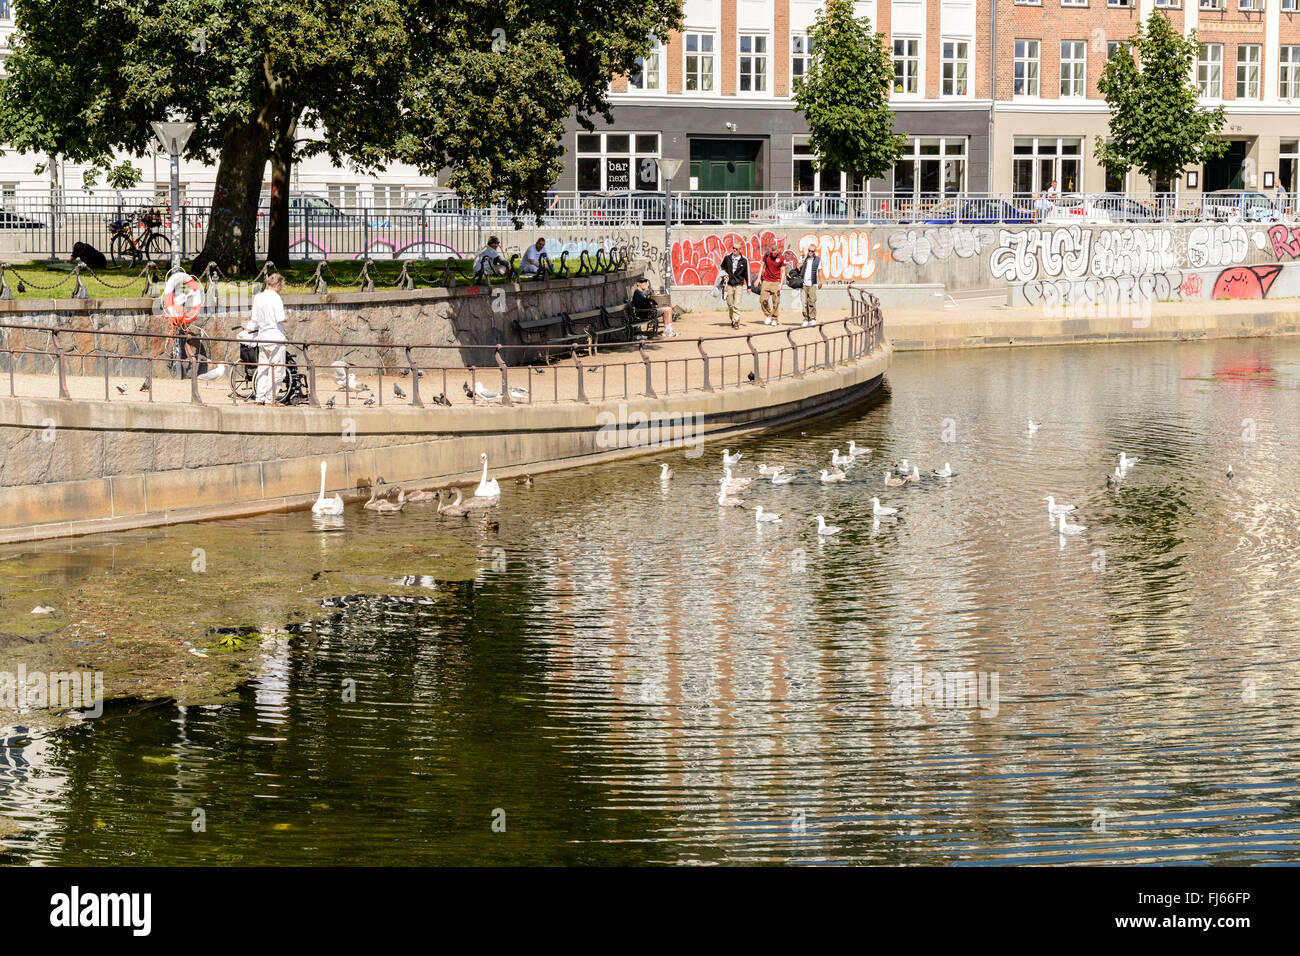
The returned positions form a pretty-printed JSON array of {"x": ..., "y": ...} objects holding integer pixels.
[{"x": 618, "y": 173}]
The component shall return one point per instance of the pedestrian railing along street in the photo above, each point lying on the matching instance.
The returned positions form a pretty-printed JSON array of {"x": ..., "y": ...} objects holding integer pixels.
[{"x": 190, "y": 367}]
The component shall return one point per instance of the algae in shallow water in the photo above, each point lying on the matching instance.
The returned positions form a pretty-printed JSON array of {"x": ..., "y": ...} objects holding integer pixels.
[{"x": 134, "y": 606}]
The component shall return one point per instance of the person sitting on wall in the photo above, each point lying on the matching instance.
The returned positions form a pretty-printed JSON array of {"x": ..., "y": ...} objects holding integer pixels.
[
  {"x": 644, "y": 306},
  {"x": 536, "y": 261},
  {"x": 490, "y": 261}
]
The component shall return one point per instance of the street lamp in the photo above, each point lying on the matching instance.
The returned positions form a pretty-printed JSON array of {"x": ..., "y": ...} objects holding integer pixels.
[
  {"x": 668, "y": 169},
  {"x": 173, "y": 137}
]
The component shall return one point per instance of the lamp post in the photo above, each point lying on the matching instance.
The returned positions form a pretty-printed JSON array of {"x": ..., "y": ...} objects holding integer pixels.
[
  {"x": 173, "y": 137},
  {"x": 668, "y": 169}
]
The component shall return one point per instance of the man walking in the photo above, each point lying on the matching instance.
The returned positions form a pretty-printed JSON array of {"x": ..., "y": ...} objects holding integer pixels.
[
  {"x": 769, "y": 298},
  {"x": 735, "y": 267},
  {"x": 267, "y": 326},
  {"x": 811, "y": 268}
]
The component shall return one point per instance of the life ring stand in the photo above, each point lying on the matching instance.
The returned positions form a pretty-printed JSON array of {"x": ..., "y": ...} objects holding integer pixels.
[{"x": 182, "y": 307}]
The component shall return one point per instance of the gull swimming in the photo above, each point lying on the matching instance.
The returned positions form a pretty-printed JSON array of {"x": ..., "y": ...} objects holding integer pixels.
[
  {"x": 840, "y": 461},
  {"x": 1034, "y": 426},
  {"x": 665, "y": 473},
  {"x": 892, "y": 482},
  {"x": 944, "y": 472},
  {"x": 882, "y": 512},
  {"x": 830, "y": 476},
  {"x": 768, "y": 470},
  {"x": 1054, "y": 509},
  {"x": 728, "y": 459},
  {"x": 1125, "y": 463},
  {"x": 782, "y": 478},
  {"x": 736, "y": 484},
  {"x": 1230, "y": 475},
  {"x": 856, "y": 452},
  {"x": 825, "y": 529},
  {"x": 761, "y": 516},
  {"x": 915, "y": 476},
  {"x": 1066, "y": 528},
  {"x": 722, "y": 496}
]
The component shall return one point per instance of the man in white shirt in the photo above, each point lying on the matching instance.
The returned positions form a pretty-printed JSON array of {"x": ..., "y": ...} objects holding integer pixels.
[
  {"x": 491, "y": 254},
  {"x": 533, "y": 257},
  {"x": 812, "y": 281},
  {"x": 267, "y": 326}
]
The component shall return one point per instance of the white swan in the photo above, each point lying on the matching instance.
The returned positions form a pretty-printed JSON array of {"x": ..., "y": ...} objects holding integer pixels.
[
  {"x": 1125, "y": 463},
  {"x": 1065, "y": 528},
  {"x": 856, "y": 452},
  {"x": 487, "y": 488},
  {"x": 944, "y": 472},
  {"x": 736, "y": 484},
  {"x": 881, "y": 512},
  {"x": 731, "y": 459},
  {"x": 665, "y": 473},
  {"x": 1054, "y": 509},
  {"x": 831, "y": 476},
  {"x": 825, "y": 529},
  {"x": 761, "y": 516},
  {"x": 323, "y": 505}
]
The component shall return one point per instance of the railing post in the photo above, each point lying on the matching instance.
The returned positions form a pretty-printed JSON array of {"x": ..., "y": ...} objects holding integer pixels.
[
  {"x": 63, "y": 370},
  {"x": 416, "y": 400},
  {"x": 827, "y": 343},
  {"x": 505, "y": 378},
  {"x": 311, "y": 376},
  {"x": 708, "y": 386},
  {"x": 582, "y": 390},
  {"x": 194, "y": 378},
  {"x": 473, "y": 390},
  {"x": 794, "y": 354},
  {"x": 649, "y": 386},
  {"x": 758, "y": 378}
]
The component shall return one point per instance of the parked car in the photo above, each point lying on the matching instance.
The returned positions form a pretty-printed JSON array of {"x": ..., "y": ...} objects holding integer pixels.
[
  {"x": 650, "y": 205},
  {"x": 1231, "y": 204},
  {"x": 800, "y": 211},
  {"x": 11, "y": 220},
  {"x": 974, "y": 211},
  {"x": 304, "y": 207},
  {"x": 1099, "y": 209}
]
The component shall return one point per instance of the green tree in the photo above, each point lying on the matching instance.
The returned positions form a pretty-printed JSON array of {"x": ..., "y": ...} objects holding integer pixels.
[
  {"x": 483, "y": 92},
  {"x": 844, "y": 95},
  {"x": 1156, "y": 124}
]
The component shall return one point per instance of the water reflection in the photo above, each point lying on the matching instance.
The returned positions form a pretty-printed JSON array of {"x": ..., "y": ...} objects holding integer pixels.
[{"x": 637, "y": 675}]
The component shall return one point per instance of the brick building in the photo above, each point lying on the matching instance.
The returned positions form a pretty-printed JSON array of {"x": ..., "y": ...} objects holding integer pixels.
[{"x": 717, "y": 96}]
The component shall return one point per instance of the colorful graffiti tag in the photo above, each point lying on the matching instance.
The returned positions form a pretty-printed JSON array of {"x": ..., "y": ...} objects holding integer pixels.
[
  {"x": 845, "y": 256},
  {"x": 1245, "y": 282}
]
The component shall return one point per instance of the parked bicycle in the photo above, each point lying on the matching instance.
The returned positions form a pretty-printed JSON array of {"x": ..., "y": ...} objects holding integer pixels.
[
  {"x": 184, "y": 340},
  {"x": 135, "y": 245}
]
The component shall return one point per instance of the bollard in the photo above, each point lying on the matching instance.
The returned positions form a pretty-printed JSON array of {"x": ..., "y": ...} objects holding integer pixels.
[
  {"x": 505, "y": 380},
  {"x": 649, "y": 386}
]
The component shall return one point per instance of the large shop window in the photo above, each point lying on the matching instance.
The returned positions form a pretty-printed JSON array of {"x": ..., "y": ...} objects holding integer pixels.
[
  {"x": 931, "y": 166},
  {"x": 1037, "y": 160},
  {"x": 609, "y": 161},
  {"x": 807, "y": 178}
]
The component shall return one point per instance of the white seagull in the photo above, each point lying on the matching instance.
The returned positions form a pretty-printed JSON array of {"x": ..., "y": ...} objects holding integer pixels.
[
  {"x": 736, "y": 484},
  {"x": 880, "y": 512},
  {"x": 762, "y": 517},
  {"x": 485, "y": 393},
  {"x": 731, "y": 459},
  {"x": 892, "y": 482},
  {"x": 825, "y": 529},
  {"x": 1054, "y": 509},
  {"x": 831, "y": 476},
  {"x": 856, "y": 452},
  {"x": 722, "y": 496},
  {"x": 1066, "y": 528},
  {"x": 782, "y": 478},
  {"x": 665, "y": 473},
  {"x": 840, "y": 461},
  {"x": 944, "y": 472},
  {"x": 1034, "y": 426},
  {"x": 1125, "y": 463},
  {"x": 212, "y": 374}
]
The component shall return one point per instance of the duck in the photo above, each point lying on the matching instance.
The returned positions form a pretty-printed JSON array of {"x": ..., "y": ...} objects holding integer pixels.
[
  {"x": 323, "y": 505},
  {"x": 831, "y": 476},
  {"x": 856, "y": 452},
  {"x": 491, "y": 524},
  {"x": 729, "y": 459},
  {"x": 944, "y": 472},
  {"x": 892, "y": 482},
  {"x": 1054, "y": 509},
  {"x": 1230, "y": 474},
  {"x": 1066, "y": 528},
  {"x": 880, "y": 511},
  {"x": 526, "y": 481},
  {"x": 825, "y": 529},
  {"x": 487, "y": 488},
  {"x": 454, "y": 510},
  {"x": 736, "y": 484},
  {"x": 763, "y": 517},
  {"x": 666, "y": 473},
  {"x": 1114, "y": 478}
]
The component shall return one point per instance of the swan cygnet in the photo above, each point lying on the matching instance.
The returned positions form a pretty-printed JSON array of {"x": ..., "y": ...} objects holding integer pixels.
[
  {"x": 456, "y": 509},
  {"x": 372, "y": 504}
]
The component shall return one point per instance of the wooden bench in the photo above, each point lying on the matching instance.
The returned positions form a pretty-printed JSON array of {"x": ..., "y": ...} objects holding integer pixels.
[
  {"x": 539, "y": 331},
  {"x": 641, "y": 323},
  {"x": 596, "y": 324}
]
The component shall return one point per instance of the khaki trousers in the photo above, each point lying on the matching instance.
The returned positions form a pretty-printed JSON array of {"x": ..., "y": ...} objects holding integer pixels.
[
  {"x": 770, "y": 299},
  {"x": 734, "y": 293},
  {"x": 810, "y": 303}
]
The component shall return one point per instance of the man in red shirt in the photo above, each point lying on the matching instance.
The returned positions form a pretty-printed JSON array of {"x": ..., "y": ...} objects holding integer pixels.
[{"x": 769, "y": 298}]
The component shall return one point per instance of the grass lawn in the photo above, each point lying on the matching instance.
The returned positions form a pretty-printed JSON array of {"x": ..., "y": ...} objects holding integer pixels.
[{"x": 340, "y": 276}]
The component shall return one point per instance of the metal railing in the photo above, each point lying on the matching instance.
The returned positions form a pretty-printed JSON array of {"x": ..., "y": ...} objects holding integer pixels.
[
  {"x": 70, "y": 364},
  {"x": 438, "y": 226}
]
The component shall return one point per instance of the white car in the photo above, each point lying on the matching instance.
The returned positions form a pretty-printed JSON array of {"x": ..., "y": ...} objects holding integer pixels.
[
  {"x": 1238, "y": 205},
  {"x": 1102, "y": 209}
]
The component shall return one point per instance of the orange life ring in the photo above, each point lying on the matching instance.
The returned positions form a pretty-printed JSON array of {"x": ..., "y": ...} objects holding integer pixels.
[{"x": 183, "y": 307}]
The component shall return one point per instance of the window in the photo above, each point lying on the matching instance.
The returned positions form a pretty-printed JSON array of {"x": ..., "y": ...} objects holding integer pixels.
[
  {"x": 1212, "y": 4},
  {"x": 8, "y": 194},
  {"x": 5, "y": 12},
  {"x": 1168, "y": 3},
  {"x": 1074, "y": 68},
  {"x": 1288, "y": 161},
  {"x": 753, "y": 63},
  {"x": 1250, "y": 4},
  {"x": 800, "y": 55},
  {"x": 1288, "y": 5},
  {"x": 1288, "y": 83},
  {"x": 1116, "y": 180},
  {"x": 617, "y": 161},
  {"x": 699, "y": 62},
  {"x": 1038, "y": 160},
  {"x": 1025, "y": 71},
  {"x": 343, "y": 196},
  {"x": 907, "y": 65},
  {"x": 388, "y": 197},
  {"x": 956, "y": 65},
  {"x": 931, "y": 167},
  {"x": 1119, "y": 3},
  {"x": 1074, "y": 3},
  {"x": 807, "y": 177},
  {"x": 649, "y": 73},
  {"x": 1248, "y": 71},
  {"x": 1209, "y": 71},
  {"x": 1112, "y": 47}
]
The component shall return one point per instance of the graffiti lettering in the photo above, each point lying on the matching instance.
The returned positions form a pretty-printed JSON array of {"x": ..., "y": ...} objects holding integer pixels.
[{"x": 911, "y": 245}]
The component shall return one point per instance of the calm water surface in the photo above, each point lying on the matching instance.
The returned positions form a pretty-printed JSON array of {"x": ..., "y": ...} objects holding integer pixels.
[{"x": 642, "y": 676}]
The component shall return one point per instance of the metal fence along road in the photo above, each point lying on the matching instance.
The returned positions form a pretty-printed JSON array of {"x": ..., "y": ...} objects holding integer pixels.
[{"x": 133, "y": 227}]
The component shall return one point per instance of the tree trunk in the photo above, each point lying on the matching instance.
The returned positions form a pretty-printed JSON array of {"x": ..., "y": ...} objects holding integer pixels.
[
  {"x": 231, "y": 241},
  {"x": 281, "y": 170}
]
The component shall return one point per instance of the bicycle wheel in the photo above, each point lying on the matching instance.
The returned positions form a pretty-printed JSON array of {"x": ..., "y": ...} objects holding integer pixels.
[
  {"x": 158, "y": 248},
  {"x": 123, "y": 250}
]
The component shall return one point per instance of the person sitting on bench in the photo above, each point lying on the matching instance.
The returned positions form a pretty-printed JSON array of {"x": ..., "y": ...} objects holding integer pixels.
[{"x": 644, "y": 305}]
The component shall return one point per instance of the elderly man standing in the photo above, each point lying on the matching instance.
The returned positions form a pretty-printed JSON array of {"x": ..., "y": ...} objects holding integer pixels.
[
  {"x": 267, "y": 326},
  {"x": 811, "y": 268}
]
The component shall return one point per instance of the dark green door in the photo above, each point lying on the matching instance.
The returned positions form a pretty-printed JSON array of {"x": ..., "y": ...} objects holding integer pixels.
[{"x": 724, "y": 165}]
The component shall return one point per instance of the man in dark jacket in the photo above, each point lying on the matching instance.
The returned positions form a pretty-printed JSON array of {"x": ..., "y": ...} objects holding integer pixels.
[{"x": 736, "y": 269}]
